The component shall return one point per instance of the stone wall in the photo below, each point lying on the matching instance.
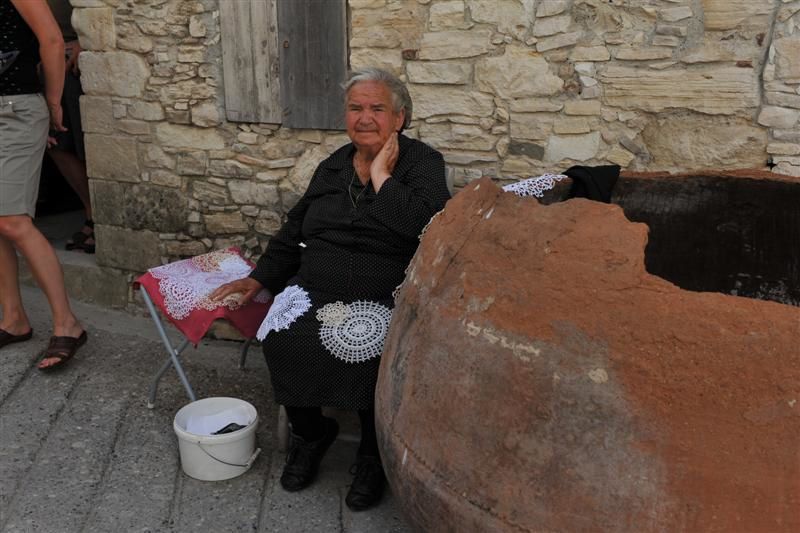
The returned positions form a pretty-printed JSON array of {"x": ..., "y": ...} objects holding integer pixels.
[{"x": 506, "y": 88}]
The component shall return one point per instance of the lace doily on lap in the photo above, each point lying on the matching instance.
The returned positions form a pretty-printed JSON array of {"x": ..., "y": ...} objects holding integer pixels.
[
  {"x": 534, "y": 186},
  {"x": 186, "y": 284},
  {"x": 354, "y": 333},
  {"x": 290, "y": 304}
]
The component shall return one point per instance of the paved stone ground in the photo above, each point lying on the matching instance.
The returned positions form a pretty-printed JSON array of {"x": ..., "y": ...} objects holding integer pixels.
[{"x": 80, "y": 451}]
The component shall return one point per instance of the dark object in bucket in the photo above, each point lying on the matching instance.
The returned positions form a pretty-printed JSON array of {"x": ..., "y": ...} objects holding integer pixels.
[{"x": 230, "y": 428}]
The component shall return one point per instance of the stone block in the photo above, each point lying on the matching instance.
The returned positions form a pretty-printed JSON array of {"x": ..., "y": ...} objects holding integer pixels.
[
  {"x": 430, "y": 101},
  {"x": 192, "y": 163},
  {"x": 778, "y": 117},
  {"x": 518, "y": 73},
  {"x": 572, "y": 147},
  {"x": 112, "y": 158},
  {"x": 783, "y": 148},
  {"x": 734, "y": 89},
  {"x": 189, "y": 137},
  {"x": 544, "y": 27},
  {"x": 154, "y": 157},
  {"x": 96, "y": 114},
  {"x": 127, "y": 249},
  {"x": 571, "y": 125},
  {"x": 508, "y": 16},
  {"x": 146, "y": 110},
  {"x": 447, "y": 15},
  {"x": 184, "y": 249},
  {"x": 674, "y": 14},
  {"x": 115, "y": 73},
  {"x": 165, "y": 178},
  {"x": 375, "y": 37},
  {"x": 440, "y": 72},
  {"x": 531, "y": 126},
  {"x": 225, "y": 223},
  {"x": 129, "y": 37},
  {"x": 630, "y": 53},
  {"x": 461, "y": 136},
  {"x": 454, "y": 44},
  {"x": 528, "y": 149},
  {"x": 389, "y": 60},
  {"x": 582, "y": 107},
  {"x": 590, "y": 53},
  {"x": 210, "y": 193},
  {"x": 787, "y": 59},
  {"x": 95, "y": 27},
  {"x": 254, "y": 193},
  {"x": 620, "y": 156},
  {"x": 534, "y": 105},
  {"x": 140, "y": 206},
  {"x": 551, "y": 7},
  {"x": 720, "y": 15},
  {"x": 559, "y": 41},
  {"x": 691, "y": 141}
]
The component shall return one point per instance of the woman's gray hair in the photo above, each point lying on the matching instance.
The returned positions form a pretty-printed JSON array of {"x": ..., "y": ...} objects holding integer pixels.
[{"x": 400, "y": 97}]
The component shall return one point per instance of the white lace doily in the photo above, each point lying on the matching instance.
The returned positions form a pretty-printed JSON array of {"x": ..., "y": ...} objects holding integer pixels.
[
  {"x": 186, "y": 284},
  {"x": 354, "y": 333},
  {"x": 290, "y": 304},
  {"x": 534, "y": 186}
]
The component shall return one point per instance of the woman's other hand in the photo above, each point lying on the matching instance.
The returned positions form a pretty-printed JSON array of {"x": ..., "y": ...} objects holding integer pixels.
[
  {"x": 383, "y": 164},
  {"x": 247, "y": 287},
  {"x": 56, "y": 116}
]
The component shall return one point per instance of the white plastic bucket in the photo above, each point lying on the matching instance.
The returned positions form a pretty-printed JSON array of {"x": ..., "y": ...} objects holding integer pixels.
[{"x": 216, "y": 457}]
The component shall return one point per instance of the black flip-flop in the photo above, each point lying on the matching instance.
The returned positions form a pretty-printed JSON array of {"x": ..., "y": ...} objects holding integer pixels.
[
  {"x": 62, "y": 349},
  {"x": 8, "y": 338}
]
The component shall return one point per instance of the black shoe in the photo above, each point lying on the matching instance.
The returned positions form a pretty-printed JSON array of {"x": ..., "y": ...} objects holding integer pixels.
[
  {"x": 367, "y": 487},
  {"x": 302, "y": 461}
]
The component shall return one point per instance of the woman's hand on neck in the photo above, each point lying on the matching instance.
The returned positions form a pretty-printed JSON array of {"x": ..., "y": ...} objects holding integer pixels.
[{"x": 379, "y": 166}]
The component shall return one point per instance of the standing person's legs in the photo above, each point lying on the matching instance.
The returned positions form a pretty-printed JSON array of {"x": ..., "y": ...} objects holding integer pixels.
[
  {"x": 14, "y": 321},
  {"x": 34, "y": 247},
  {"x": 23, "y": 134},
  {"x": 69, "y": 157}
]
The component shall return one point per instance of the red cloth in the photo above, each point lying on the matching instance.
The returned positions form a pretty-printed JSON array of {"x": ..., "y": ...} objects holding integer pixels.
[{"x": 194, "y": 325}]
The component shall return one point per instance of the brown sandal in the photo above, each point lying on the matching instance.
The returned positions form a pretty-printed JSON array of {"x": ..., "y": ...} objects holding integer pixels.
[{"x": 62, "y": 349}]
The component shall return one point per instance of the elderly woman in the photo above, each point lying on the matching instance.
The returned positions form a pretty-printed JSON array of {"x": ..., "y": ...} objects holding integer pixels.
[{"x": 333, "y": 266}]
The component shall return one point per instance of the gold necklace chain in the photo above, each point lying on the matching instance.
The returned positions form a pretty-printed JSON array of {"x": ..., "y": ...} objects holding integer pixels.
[{"x": 354, "y": 200}]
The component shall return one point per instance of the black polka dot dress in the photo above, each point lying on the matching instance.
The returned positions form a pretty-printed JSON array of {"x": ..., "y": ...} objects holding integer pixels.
[{"x": 333, "y": 267}]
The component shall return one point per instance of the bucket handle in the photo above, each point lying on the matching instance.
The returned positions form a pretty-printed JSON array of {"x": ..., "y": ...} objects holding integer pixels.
[{"x": 247, "y": 465}]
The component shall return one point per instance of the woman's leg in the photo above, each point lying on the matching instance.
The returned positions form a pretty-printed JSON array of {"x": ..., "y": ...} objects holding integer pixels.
[
  {"x": 312, "y": 434},
  {"x": 369, "y": 439},
  {"x": 369, "y": 481},
  {"x": 14, "y": 320},
  {"x": 307, "y": 422},
  {"x": 25, "y": 237}
]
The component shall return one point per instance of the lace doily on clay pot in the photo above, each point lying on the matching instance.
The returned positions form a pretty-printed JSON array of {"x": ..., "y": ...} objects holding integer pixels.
[
  {"x": 290, "y": 304},
  {"x": 354, "y": 333},
  {"x": 186, "y": 284},
  {"x": 534, "y": 186}
]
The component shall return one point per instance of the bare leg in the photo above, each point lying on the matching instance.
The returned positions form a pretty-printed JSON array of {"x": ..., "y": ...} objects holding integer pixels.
[
  {"x": 23, "y": 235},
  {"x": 74, "y": 171},
  {"x": 14, "y": 320}
]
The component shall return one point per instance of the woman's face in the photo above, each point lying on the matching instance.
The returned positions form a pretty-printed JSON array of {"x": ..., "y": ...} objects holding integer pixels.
[{"x": 370, "y": 116}]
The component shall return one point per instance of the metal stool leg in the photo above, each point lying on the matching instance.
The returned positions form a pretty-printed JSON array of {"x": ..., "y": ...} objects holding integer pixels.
[
  {"x": 173, "y": 353},
  {"x": 243, "y": 354}
]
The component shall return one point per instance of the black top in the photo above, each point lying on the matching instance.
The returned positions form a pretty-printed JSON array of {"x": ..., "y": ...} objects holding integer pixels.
[
  {"x": 347, "y": 240},
  {"x": 19, "y": 53}
]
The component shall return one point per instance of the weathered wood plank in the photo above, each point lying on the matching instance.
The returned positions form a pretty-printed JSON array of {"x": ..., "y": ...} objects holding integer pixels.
[
  {"x": 250, "y": 60},
  {"x": 313, "y": 47}
]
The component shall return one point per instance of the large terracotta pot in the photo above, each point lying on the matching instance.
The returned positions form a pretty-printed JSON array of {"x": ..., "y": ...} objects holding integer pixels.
[{"x": 537, "y": 378}]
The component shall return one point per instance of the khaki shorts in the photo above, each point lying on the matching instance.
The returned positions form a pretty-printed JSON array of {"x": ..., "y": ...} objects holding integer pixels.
[{"x": 24, "y": 121}]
